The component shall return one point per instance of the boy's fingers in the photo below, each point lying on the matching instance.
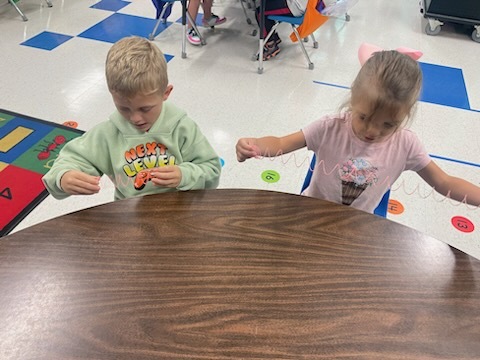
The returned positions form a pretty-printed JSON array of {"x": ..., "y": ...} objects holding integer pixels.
[
  {"x": 166, "y": 168},
  {"x": 162, "y": 170},
  {"x": 91, "y": 181},
  {"x": 165, "y": 172},
  {"x": 84, "y": 189},
  {"x": 163, "y": 175},
  {"x": 86, "y": 178}
]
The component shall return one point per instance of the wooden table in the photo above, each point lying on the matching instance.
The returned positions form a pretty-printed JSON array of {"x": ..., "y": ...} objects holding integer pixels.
[{"x": 234, "y": 274}]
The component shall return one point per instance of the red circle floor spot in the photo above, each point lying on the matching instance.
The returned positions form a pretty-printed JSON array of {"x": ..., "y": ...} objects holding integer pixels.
[{"x": 462, "y": 224}]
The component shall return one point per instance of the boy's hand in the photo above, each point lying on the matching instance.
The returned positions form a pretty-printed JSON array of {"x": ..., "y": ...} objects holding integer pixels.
[
  {"x": 247, "y": 148},
  {"x": 167, "y": 176},
  {"x": 75, "y": 182}
]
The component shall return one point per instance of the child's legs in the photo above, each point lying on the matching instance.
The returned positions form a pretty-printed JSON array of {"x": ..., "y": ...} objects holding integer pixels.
[
  {"x": 272, "y": 7},
  {"x": 207, "y": 8},
  {"x": 193, "y": 6}
]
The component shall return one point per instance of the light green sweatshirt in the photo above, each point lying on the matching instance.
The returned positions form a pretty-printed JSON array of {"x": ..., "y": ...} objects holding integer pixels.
[{"x": 119, "y": 150}]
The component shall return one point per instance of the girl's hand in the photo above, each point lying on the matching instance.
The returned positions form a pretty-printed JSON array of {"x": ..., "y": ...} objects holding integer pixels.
[
  {"x": 247, "y": 148},
  {"x": 75, "y": 182},
  {"x": 166, "y": 176}
]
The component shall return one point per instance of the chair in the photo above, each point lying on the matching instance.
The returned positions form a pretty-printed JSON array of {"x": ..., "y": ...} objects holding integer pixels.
[
  {"x": 250, "y": 5},
  {"x": 164, "y": 8},
  {"x": 302, "y": 26},
  {"x": 20, "y": 12},
  {"x": 380, "y": 210}
]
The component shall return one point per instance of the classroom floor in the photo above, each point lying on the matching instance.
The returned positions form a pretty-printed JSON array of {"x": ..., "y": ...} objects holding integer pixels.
[{"x": 53, "y": 69}]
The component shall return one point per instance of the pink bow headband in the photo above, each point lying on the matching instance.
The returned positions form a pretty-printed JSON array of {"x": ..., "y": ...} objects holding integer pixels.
[{"x": 366, "y": 51}]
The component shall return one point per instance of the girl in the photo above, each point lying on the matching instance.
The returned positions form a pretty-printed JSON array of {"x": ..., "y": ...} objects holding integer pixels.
[{"x": 361, "y": 152}]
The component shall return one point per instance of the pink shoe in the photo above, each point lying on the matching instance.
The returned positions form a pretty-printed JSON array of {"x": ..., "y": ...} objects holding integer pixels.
[
  {"x": 213, "y": 21},
  {"x": 193, "y": 37}
]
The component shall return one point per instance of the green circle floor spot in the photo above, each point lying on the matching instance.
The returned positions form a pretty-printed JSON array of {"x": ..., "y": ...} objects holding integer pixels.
[{"x": 270, "y": 176}]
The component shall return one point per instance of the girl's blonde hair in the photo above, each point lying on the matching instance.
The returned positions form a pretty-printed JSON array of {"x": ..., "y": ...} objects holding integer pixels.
[
  {"x": 134, "y": 66},
  {"x": 390, "y": 81}
]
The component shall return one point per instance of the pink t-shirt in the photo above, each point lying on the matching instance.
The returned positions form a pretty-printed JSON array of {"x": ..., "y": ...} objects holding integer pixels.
[{"x": 353, "y": 172}]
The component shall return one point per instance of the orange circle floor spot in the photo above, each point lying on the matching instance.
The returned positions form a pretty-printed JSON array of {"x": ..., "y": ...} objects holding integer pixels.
[
  {"x": 71, "y": 123},
  {"x": 395, "y": 207}
]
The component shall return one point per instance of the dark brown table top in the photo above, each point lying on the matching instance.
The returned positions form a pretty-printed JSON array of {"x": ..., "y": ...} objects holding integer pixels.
[{"x": 234, "y": 274}]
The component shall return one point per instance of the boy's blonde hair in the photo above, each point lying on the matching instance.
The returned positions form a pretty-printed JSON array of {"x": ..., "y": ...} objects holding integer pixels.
[
  {"x": 134, "y": 66},
  {"x": 390, "y": 81}
]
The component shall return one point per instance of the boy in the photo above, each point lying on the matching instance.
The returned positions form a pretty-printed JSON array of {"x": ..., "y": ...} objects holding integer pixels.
[{"x": 147, "y": 146}]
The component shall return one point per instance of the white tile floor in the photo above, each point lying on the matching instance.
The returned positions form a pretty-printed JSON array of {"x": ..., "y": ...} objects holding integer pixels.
[{"x": 219, "y": 86}]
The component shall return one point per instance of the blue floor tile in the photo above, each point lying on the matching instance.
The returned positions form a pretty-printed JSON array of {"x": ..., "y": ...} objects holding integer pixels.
[
  {"x": 444, "y": 85},
  {"x": 47, "y": 40},
  {"x": 111, "y": 5},
  {"x": 118, "y": 26}
]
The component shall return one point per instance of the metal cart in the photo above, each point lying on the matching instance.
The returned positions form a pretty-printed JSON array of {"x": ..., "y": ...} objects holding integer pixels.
[{"x": 465, "y": 12}]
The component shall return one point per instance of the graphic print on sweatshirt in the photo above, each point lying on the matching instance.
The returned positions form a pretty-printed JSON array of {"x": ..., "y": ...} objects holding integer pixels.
[{"x": 141, "y": 159}]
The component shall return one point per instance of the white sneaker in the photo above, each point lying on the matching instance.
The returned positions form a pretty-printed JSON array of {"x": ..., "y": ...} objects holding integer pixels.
[{"x": 193, "y": 37}]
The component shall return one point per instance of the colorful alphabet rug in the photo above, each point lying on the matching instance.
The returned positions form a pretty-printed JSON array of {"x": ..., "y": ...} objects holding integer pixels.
[{"x": 28, "y": 148}]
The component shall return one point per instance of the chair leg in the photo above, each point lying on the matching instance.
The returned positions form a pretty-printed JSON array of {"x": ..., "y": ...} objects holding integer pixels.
[
  {"x": 49, "y": 3},
  {"x": 18, "y": 10},
  {"x": 151, "y": 36},
  {"x": 184, "y": 41},
  {"x": 247, "y": 18},
  {"x": 299, "y": 39},
  {"x": 261, "y": 44},
  {"x": 315, "y": 42},
  {"x": 184, "y": 28},
  {"x": 270, "y": 33}
]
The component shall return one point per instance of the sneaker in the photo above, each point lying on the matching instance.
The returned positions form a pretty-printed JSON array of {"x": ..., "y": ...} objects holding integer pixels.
[
  {"x": 193, "y": 37},
  {"x": 213, "y": 21},
  {"x": 270, "y": 50}
]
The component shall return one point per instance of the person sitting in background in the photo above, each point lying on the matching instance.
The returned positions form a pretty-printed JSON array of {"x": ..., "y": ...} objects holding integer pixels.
[
  {"x": 277, "y": 7},
  {"x": 294, "y": 8}
]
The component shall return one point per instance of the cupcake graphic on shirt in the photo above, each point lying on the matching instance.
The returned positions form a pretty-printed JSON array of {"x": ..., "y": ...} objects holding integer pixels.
[{"x": 356, "y": 175}]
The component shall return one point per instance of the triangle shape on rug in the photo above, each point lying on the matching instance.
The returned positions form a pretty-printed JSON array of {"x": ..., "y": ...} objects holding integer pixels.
[{"x": 6, "y": 193}]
